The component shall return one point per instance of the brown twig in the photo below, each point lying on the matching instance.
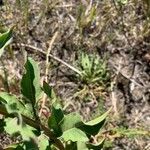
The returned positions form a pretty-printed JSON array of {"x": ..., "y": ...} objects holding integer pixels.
[
  {"x": 113, "y": 87},
  {"x": 40, "y": 51}
]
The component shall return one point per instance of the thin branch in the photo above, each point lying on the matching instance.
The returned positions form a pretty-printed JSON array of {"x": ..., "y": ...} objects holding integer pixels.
[
  {"x": 113, "y": 87},
  {"x": 129, "y": 78},
  {"x": 40, "y": 51},
  {"x": 65, "y": 6}
]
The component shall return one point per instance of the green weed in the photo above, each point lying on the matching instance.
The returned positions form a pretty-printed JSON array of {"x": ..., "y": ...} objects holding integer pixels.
[{"x": 93, "y": 69}]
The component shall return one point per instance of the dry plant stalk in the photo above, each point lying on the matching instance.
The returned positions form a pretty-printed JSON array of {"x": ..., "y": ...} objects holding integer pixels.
[
  {"x": 113, "y": 93},
  {"x": 47, "y": 68},
  {"x": 40, "y": 51}
]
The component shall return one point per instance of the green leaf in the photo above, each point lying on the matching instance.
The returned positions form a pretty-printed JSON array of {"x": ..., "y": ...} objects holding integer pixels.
[
  {"x": 55, "y": 119},
  {"x": 98, "y": 119},
  {"x": 93, "y": 127},
  {"x": 74, "y": 135},
  {"x": 5, "y": 40},
  {"x": 47, "y": 89},
  {"x": 70, "y": 132},
  {"x": 12, "y": 104},
  {"x": 28, "y": 112},
  {"x": 30, "y": 145},
  {"x": 50, "y": 93},
  {"x": 43, "y": 143},
  {"x": 70, "y": 121},
  {"x": 13, "y": 126},
  {"x": 30, "y": 84},
  {"x": 2, "y": 124}
]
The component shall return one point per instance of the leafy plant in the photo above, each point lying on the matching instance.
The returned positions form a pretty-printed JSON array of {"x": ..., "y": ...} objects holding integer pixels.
[
  {"x": 21, "y": 117},
  {"x": 62, "y": 130},
  {"x": 93, "y": 69}
]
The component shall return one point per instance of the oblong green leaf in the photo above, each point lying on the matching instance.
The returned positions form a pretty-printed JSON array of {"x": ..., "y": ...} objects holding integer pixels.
[
  {"x": 55, "y": 119},
  {"x": 30, "y": 83},
  {"x": 98, "y": 119},
  {"x": 93, "y": 127},
  {"x": 47, "y": 89},
  {"x": 50, "y": 93}
]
